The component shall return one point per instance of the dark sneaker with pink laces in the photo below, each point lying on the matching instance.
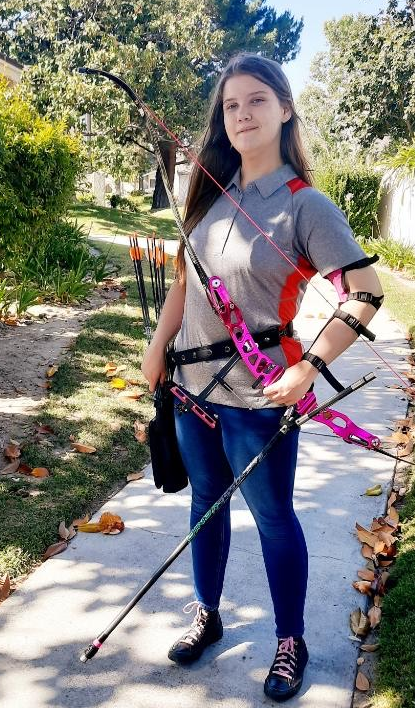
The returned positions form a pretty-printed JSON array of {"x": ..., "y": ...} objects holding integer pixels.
[
  {"x": 205, "y": 629},
  {"x": 286, "y": 673}
]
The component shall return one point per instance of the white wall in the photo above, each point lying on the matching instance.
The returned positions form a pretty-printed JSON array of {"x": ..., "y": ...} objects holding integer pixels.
[{"x": 397, "y": 212}]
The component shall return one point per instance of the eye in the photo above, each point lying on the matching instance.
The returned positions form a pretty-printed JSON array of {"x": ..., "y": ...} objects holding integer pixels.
[
  {"x": 258, "y": 100},
  {"x": 230, "y": 106}
]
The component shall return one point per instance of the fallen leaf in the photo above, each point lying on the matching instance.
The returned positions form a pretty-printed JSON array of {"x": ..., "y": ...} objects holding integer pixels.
[
  {"x": 387, "y": 538},
  {"x": 43, "y": 429},
  {"x": 135, "y": 475},
  {"x": 379, "y": 547},
  {"x": 385, "y": 563},
  {"x": 374, "y": 491},
  {"x": 110, "y": 366},
  {"x": 377, "y": 601},
  {"x": 119, "y": 384},
  {"x": 45, "y": 384},
  {"x": 366, "y": 536},
  {"x": 366, "y": 574},
  {"x": 363, "y": 586},
  {"x": 402, "y": 491},
  {"x": 359, "y": 623},
  {"x": 11, "y": 468},
  {"x": 54, "y": 549},
  {"x": 71, "y": 532},
  {"x": 63, "y": 531},
  {"x": 11, "y": 321},
  {"x": 374, "y": 615},
  {"x": 140, "y": 433},
  {"x": 12, "y": 451},
  {"x": 4, "y": 587},
  {"x": 89, "y": 528},
  {"x": 80, "y": 447},
  {"x": 133, "y": 382},
  {"x": 133, "y": 395},
  {"x": 361, "y": 660},
  {"x": 392, "y": 517},
  {"x": 80, "y": 522},
  {"x": 369, "y": 647},
  {"x": 407, "y": 450},
  {"x": 399, "y": 438},
  {"x": 367, "y": 551},
  {"x": 51, "y": 371},
  {"x": 375, "y": 526},
  {"x": 362, "y": 682},
  {"x": 107, "y": 523},
  {"x": 40, "y": 472}
]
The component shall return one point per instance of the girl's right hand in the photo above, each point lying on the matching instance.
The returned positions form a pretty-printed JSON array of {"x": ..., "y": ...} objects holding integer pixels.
[{"x": 154, "y": 366}]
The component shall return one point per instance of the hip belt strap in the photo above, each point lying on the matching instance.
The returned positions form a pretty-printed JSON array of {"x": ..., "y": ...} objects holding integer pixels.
[{"x": 226, "y": 348}]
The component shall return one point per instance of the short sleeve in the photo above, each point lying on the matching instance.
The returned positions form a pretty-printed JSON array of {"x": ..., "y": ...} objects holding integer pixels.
[{"x": 323, "y": 233}]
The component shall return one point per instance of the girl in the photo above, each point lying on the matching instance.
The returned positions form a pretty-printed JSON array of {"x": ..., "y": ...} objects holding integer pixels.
[{"x": 252, "y": 147}]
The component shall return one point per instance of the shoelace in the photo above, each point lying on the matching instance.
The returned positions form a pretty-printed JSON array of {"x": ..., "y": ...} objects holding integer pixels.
[
  {"x": 285, "y": 653},
  {"x": 198, "y": 624}
]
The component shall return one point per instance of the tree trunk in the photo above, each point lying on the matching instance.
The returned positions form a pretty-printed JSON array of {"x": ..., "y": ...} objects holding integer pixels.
[{"x": 168, "y": 152}]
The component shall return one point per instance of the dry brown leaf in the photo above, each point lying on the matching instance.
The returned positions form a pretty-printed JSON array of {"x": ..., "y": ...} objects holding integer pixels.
[
  {"x": 133, "y": 395},
  {"x": 12, "y": 451},
  {"x": 399, "y": 438},
  {"x": 51, "y": 371},
  {"x": 54, "y": 549},
  {"x": 407, "y": 450},
  {"x": 361, "y": 660},
  {"x": 367, "y": 551},
  {"x": 4, "y": 587},
  {"x": 71, "y": 532},
  {"x": 11, "y": 468},
  {"x": 375, "y": 526},
  {"x": 80, "y": 447},
  {"x": 387, "y": 538},
  {"x": 392, "y": 518},
  {"x": 385, "y": 563},
  {"x": 366, "y": 536},
  {"x": 108, "y": 522},
  {"x": 80, "y": 522},
  {"x": 374, "y": 615},
  {"x": 369, "y": 647},
  {"x": 110, "y": 366},
  {"x": 43, "y": 429},
  {"x": 25, "y": 469},
  {"x": 366, "y": 574},
  {"x": 40, "y": 472},
  {"x": 135, "y": 475},
  {"x": 363, "y": 586},
  {"x": 409, "y": 375},
  {"x": 359, "y": 623},
  {"x": 133, "y": 382},
  {"x": 63, "y": 531},
  {"x": 140, "y": 432},
  {"x": 362, "y": 682},
  {"x": 377, "y": 601}
]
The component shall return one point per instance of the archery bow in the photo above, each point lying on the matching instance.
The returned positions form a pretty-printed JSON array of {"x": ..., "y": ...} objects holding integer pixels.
[{"x": 262, "y": 367}]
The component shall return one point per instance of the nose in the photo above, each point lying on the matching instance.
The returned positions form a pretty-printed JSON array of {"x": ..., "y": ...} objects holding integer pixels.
[{"x": 244, "y": 115}]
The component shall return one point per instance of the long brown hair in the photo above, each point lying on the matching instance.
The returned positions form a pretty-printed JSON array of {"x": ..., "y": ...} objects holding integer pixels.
[{"x": 217, "y": 155}]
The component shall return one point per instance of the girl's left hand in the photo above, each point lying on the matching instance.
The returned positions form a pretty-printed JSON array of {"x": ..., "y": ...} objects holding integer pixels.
[{"x": 292, "y": 385}]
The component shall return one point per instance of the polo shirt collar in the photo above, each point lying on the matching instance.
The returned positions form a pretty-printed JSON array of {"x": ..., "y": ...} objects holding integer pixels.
[{"x": 268, "y": 184}]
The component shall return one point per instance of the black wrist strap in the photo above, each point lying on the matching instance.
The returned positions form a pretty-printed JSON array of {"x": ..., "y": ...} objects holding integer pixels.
[
  {"x": 315, "y": 360},
  {"x": 321, "y": 366}
]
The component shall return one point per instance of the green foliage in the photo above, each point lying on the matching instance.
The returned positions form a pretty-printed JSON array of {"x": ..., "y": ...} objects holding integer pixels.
[
  {"x": 39, "y": 164},
  {"x": 127, "y": 203},
  {"x": 396, "y": 255},
  {"x": 169, "y": 50},
  {"x": 401, "y": 163},
  {"x": 356, "y": 192},
  {"x": 362, "y": 95}
]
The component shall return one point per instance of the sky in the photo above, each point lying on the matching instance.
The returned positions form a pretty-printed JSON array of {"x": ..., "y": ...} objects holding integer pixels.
[{"x": 312, "y": 38}]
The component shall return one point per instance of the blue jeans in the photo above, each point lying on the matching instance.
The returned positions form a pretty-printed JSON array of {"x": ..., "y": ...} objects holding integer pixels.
[{"x": 212, "y": 459}]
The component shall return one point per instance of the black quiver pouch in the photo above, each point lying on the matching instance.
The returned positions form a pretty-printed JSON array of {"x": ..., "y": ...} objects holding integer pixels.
[{"x": 168, "y": 468}]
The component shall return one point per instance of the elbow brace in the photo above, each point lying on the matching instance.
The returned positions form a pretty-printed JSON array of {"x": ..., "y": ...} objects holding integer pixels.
[{"x": 337, "y": 278}]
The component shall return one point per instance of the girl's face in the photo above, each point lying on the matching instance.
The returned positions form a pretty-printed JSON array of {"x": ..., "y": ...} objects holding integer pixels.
[{"x": 253, "y": 115}]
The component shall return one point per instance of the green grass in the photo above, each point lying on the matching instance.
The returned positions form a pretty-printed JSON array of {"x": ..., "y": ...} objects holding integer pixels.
[
  {"x": 399, "y": 299},
  {"x": 395, "y": 672},
  {"x": 81, "y": 403},
  {"x": 104, "y": 220}
]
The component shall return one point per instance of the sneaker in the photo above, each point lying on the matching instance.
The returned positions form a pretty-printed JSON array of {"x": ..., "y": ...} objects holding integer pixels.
[
  {"x": 205, "y": 629},
  {"x": 286, "y": 673}
]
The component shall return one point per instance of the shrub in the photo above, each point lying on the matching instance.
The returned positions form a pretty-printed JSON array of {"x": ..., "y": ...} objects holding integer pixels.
[
  {"x": 356, "y": 192},
  {"x": 39, "y": 164}
]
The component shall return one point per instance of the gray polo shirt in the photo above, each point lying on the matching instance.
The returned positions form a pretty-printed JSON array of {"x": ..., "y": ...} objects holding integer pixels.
[{"x": 306, "y": 226}]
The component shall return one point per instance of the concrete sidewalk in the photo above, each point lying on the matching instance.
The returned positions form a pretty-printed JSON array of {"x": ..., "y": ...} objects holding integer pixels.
[{"x": 71, "y": 598}]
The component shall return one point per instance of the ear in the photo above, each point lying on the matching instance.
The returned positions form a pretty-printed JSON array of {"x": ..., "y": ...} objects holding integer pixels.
[{"x": 287, "y": 113}]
